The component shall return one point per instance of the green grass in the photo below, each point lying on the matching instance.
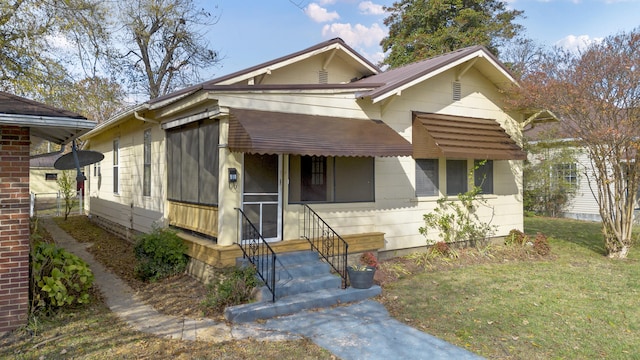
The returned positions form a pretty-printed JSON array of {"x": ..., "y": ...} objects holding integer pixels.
[{"x": 579, "y": 304}]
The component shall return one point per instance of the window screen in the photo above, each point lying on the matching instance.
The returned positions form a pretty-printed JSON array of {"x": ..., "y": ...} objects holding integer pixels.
[
  {"x": 483, "y": 175},
  {"x": 192, "y": 158},
  {"x": 427, "y": 177},
  {"x": 456, "y": 177},
  {"x": 331, "y": 179},
  {"x": 354, "y": 179}
]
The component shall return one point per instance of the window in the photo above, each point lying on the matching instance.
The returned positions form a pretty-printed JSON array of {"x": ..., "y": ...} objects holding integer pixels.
[
  {"x": 331, "y": 179},
  {"x": 146, "y": 182},
  {"x": 96, "y": 169},
  {"x": 314, "y": 178},
  {"x": 51, "y": 177},
  {"x": 457, "y": 181},
  {"x": 116, "y": 162},
  {"x": 483, "y": 175},
  {"x": 567, "y": 173},
  {"x": 427, "y": 177},
  {"x": 192, "y": 163}
]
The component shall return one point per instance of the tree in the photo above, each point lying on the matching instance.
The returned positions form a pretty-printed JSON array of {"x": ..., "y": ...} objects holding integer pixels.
[
  {"x": 596, "y": 93},
  {"x": 29, "y": 30},
  {"x": 164, "y": 48},
  {"x": 419, "y": 29},
  {"x": 68, "y": 191},
  {"x": 96, "y": 98},
  {"x": 522, "y": 56}
]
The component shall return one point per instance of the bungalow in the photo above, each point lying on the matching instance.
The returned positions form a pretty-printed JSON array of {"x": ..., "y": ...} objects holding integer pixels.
[
  {"x": 20, "y": 119},
  {"x": 321, "y": 133}
]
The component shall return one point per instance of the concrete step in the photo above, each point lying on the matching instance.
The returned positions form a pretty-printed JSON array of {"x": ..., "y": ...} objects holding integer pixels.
[
  {"x": 293, "y": 304},
  {"x": 303, "y": 282},
  {"x": 299, "y": 285},
  {"x": 293, "y": 265}
]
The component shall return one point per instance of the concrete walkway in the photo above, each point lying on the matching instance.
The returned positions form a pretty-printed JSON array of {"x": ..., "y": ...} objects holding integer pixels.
[{"x": 362, "y": 330}]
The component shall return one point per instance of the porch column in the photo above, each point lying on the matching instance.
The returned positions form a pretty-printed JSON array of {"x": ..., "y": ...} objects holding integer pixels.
[{"x": 230, "y": 193}]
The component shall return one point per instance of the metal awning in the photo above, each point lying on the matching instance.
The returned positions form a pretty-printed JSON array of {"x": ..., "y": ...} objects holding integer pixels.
[
  {"x": 436, "y": 135},
  {"x": 265, "y": 132}
]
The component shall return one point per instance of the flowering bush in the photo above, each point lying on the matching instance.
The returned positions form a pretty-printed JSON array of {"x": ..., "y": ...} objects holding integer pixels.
[{"x": 367, "y": 260}]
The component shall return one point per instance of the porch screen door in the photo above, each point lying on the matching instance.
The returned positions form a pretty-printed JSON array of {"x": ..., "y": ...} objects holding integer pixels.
[{"x": 262, "y": 194}]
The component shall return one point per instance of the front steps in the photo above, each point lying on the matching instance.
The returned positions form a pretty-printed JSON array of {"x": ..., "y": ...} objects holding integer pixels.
[{"x": 304, "y": 282}]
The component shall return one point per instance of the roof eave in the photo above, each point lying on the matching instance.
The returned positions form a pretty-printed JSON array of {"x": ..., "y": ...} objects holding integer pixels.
[
  {"x": 58, "y": 129},
  {"x": 118, "y": 119}
]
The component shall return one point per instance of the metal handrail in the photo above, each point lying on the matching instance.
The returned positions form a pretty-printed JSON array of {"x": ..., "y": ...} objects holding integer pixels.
[
  {"x": 323, "y": 239},
  {"x": 258, "y": 252}
]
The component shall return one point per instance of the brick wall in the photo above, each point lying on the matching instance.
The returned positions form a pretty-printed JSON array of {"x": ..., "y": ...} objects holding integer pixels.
[{"x": 14, "y": 227}]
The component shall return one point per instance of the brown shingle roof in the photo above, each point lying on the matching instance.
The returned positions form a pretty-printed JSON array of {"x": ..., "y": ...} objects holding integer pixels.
[
  {"x": 13, "y": 104},
  {"x": 396, "y": 78},
  {"x": 46, "y": 122}
]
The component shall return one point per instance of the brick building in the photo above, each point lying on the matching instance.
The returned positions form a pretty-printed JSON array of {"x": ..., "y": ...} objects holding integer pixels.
[{"x": 21, "y": 119}]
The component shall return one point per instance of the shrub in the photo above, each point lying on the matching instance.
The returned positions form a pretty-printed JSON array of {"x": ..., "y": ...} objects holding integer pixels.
[
  {"x": 516, "y": 237},
  {"x": 58, "y": 278},
  {"x": 159, "y": 254},
  {"x": 541, "y": 245},
  {"x": 458, "y": 220},
  {"x": 233, "y": 289},
  {"x": 443, "y": 249}
]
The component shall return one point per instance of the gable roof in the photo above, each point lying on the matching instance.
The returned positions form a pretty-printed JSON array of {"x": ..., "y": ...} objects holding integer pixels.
[
  {"x": 398, "y": 79},
  {"x": 46, "y": 122},
  {"x": 336, "y": 46}
]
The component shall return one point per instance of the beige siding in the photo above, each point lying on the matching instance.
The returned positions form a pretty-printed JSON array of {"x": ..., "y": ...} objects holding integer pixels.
[
  {"x": 128, "y": 207},
  {"x": 38, "y": 184},
  {"x": 308, "y": 71}
]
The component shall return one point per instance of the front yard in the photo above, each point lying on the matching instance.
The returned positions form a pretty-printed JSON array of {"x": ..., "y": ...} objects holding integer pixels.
[
  {"x": 578, "y": 304},
  {"x": 501, "y": 303}
]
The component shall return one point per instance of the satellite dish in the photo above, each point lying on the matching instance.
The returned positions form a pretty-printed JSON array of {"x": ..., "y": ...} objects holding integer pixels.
[{"x": 85, "y": 157}]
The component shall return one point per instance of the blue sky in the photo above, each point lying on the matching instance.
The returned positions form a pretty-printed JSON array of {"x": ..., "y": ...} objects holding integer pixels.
[{"x": 250, "y": 32}]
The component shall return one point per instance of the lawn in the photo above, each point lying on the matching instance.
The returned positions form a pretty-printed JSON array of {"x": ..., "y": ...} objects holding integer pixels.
[{"x": 576, "y": 304}]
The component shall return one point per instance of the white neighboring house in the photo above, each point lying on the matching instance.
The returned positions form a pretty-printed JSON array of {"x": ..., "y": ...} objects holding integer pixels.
[{"x": 583, "y": 205}]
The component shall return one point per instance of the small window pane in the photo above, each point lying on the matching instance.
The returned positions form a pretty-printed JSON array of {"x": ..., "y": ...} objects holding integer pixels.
[
  {"x": 116, "y": 161},
  {"x": 146, "y": 181},
  {"x": 483, "y": 175},
  {"x": 354, "y": 179},
  {"x": 456, "y": 177},
  {"x": 427, "y": 177}
]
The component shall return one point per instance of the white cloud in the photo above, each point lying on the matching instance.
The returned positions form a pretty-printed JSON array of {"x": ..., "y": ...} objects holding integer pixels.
[
  {"x": 357, "y": 35},
  {"x": 327, "y": 2},
  {"x": 577, "y": 43},
  {"x": 369, "y": 8},
  {"x": 320, "y": 14}
]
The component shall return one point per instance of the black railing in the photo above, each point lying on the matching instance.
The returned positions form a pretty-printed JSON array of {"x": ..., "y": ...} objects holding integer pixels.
[
  {"x": 326, "y": 242},
  {"x": 258, "y": 252}
]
